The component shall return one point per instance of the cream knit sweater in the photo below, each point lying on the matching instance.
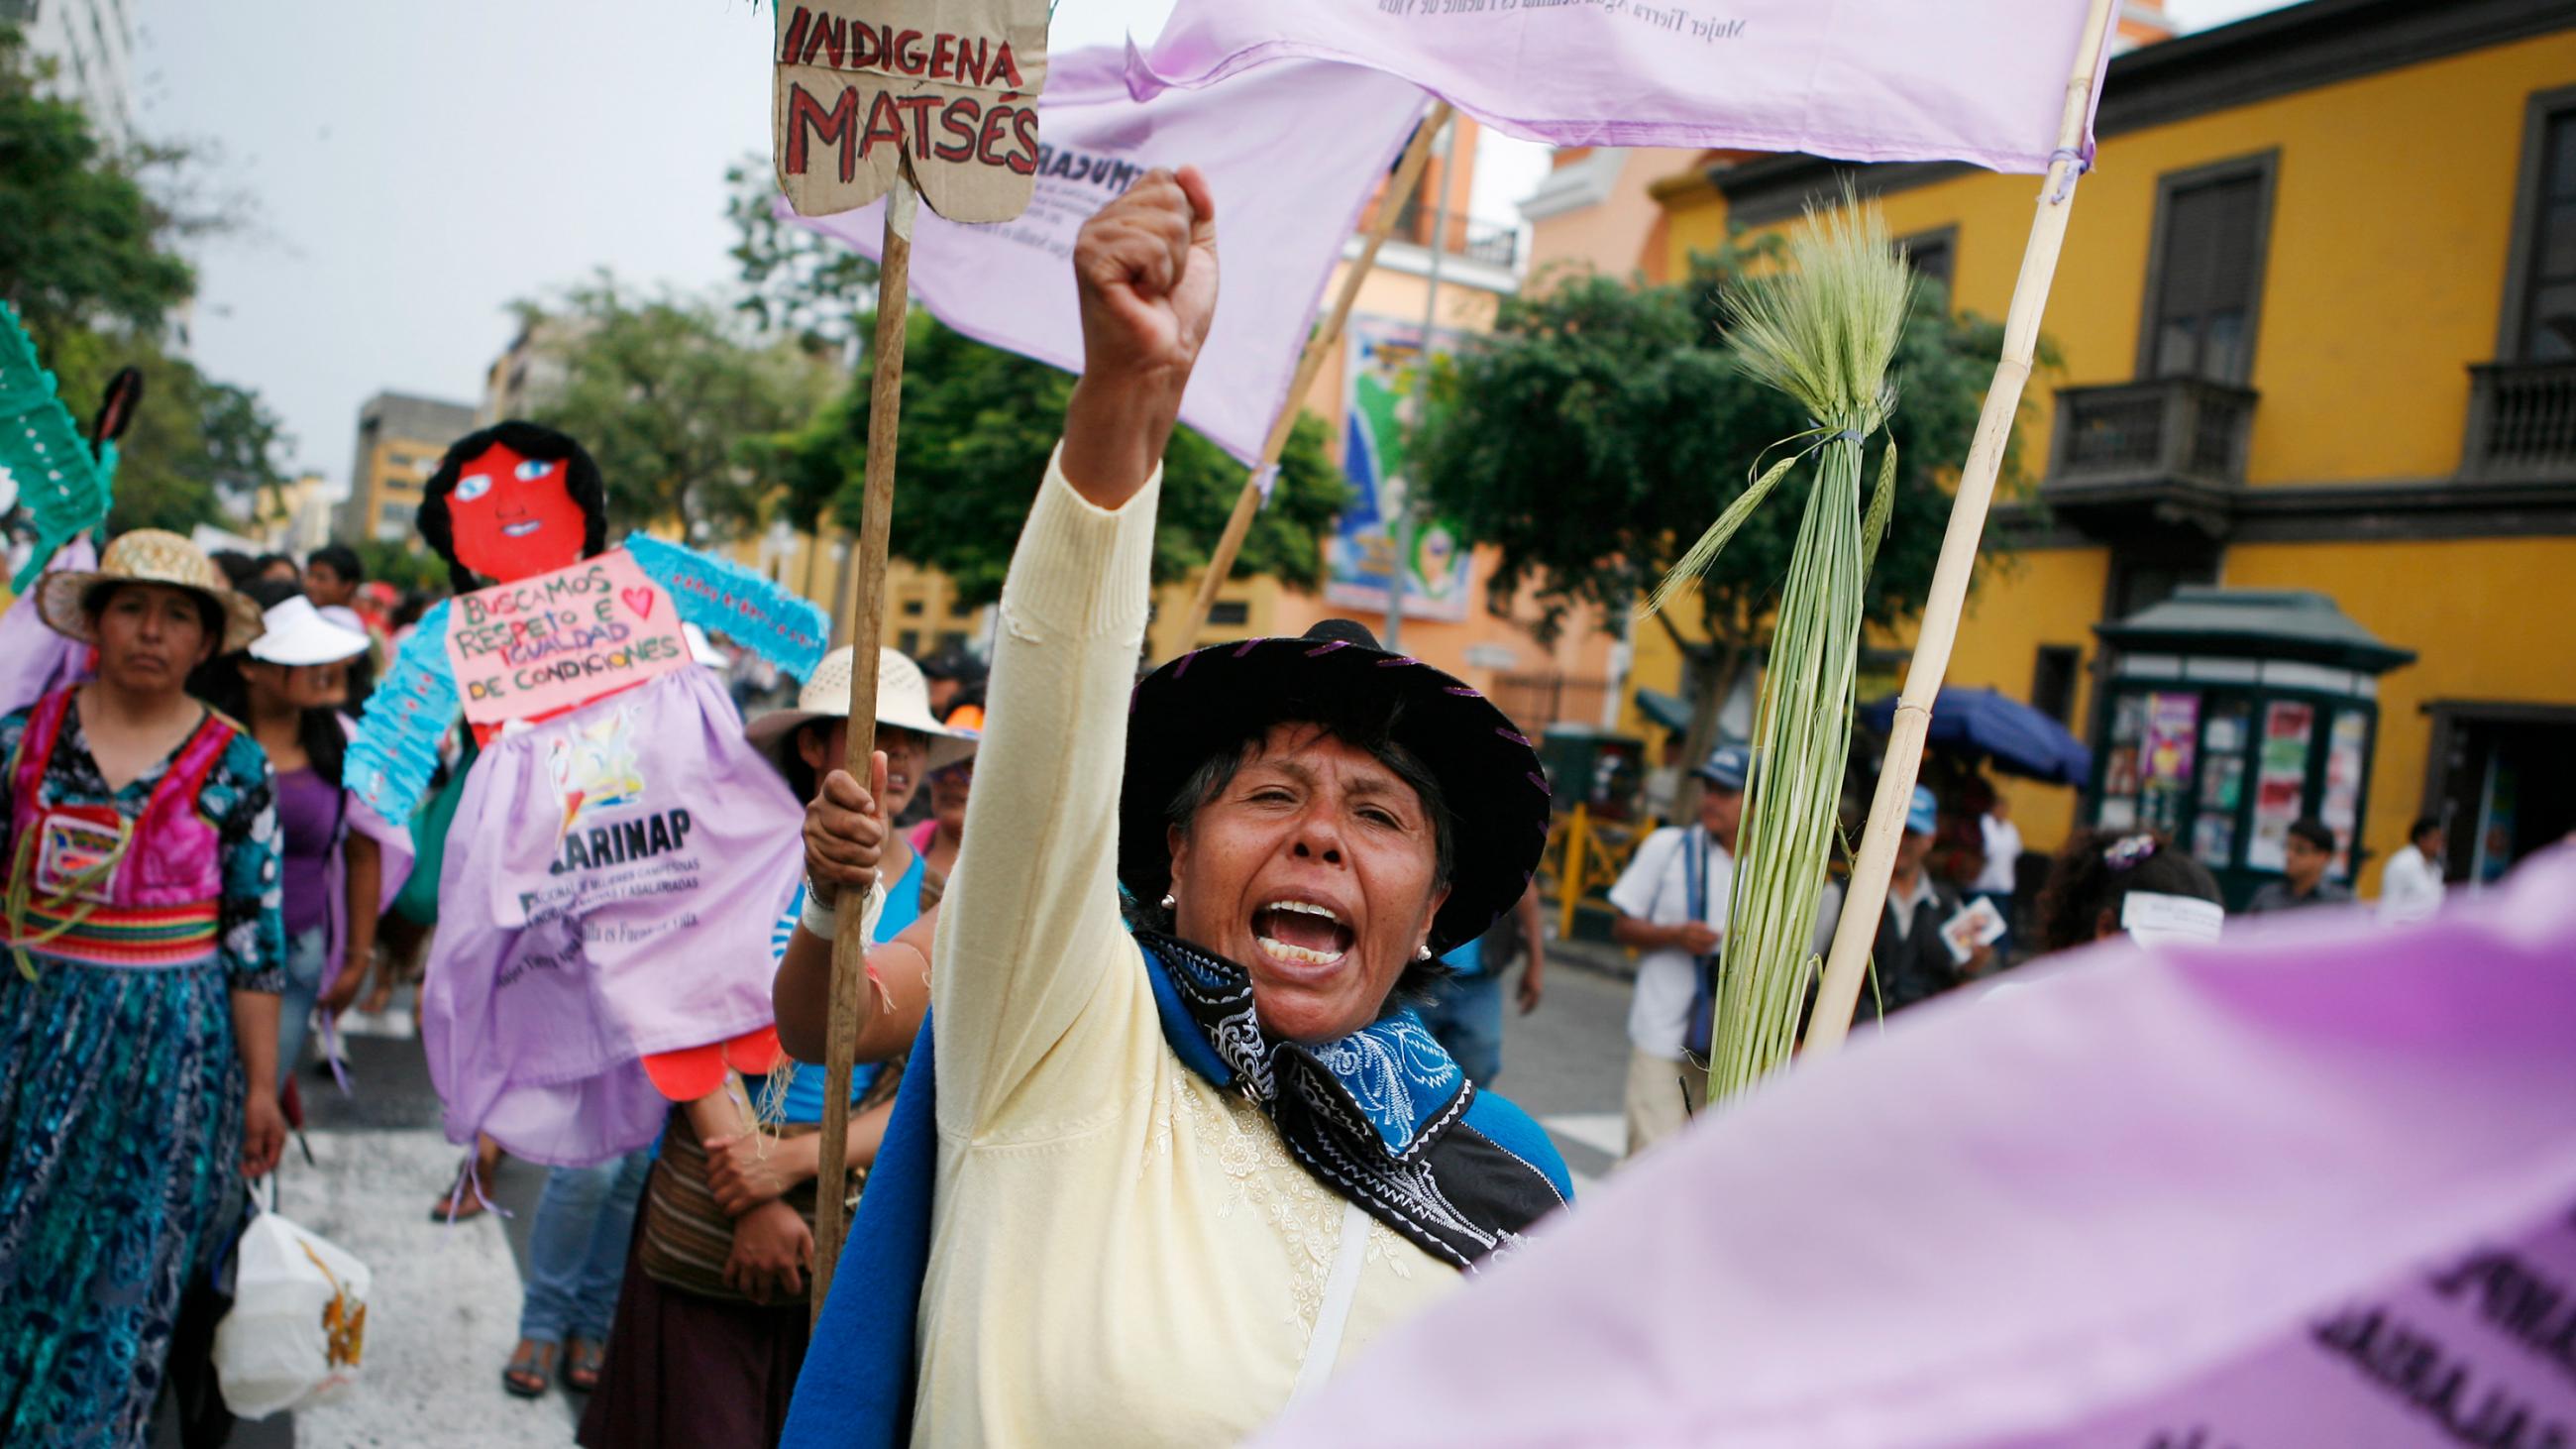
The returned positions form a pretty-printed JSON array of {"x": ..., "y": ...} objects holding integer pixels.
[{"x": 1121, "y": 1254}]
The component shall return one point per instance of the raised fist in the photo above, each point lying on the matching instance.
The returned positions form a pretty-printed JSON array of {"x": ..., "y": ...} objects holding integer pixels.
[
  {"x": 1146, "y": 269},
  {"x": 1146, "y": 266}
]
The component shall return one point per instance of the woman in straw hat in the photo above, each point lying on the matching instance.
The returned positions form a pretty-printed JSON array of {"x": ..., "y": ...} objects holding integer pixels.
[
  {"x": 715, "y": 1293},
  {"x": 138, "y": 1024},
  {"x": 342, "y": 862},
  {"x": 1143, "y": 1188}
]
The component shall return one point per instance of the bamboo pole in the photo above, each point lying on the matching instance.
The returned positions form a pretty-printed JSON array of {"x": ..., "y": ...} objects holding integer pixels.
[
  {"x": 1867, "y": 896},
  {"x": 1310, "y": 362},
  {"x": 867, "y": 621}
]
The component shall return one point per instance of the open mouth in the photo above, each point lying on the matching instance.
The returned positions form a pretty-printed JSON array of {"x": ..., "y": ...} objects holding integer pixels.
[
  {"x": 521, "y": 530},
  {"x": 1302, "y": 931}
]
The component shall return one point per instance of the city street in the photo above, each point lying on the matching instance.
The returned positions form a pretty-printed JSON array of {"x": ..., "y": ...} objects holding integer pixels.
[
  {"x": 2008, "y": 546},
  {"x": 444, "y": 1311}
]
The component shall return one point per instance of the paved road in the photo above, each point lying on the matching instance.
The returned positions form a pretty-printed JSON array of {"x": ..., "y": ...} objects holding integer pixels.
[
  {"x": 443, "y": 1312},
  {"x": 1567, "y": 1062}
]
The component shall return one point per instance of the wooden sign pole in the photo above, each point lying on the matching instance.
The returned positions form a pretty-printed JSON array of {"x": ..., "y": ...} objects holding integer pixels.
[
  {"x": 1408, "y": 174},
  {"x": 867, "y": 619},
  {"x": 1867, "y": 896}
]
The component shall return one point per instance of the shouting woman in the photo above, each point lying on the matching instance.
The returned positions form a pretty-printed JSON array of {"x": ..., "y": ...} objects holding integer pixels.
[{"x": 1151, "y": 1184}]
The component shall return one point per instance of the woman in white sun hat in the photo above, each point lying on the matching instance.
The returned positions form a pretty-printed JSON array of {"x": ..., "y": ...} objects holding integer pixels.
[
  {"x": 138, "y": 1018},
  {"x": 342, "y": 863},
  {"x": 715, "y": 1293}
]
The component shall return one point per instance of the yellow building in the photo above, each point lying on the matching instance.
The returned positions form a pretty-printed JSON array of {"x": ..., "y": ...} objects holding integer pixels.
[
  {"x": 400, "y": 438},
  {"x": 2317, "y": 315}
]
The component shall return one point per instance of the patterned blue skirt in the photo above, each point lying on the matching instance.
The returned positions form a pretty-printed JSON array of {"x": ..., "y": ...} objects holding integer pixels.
[{"x": 120, "y": 1139}]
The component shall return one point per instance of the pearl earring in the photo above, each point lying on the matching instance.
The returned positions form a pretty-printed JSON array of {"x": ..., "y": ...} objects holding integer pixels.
[
  {"x": 1167, "y": 900},
  {"x": 1422, "y": 953}
]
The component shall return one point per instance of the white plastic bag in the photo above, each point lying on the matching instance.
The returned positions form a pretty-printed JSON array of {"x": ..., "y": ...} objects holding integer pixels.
[{"x": 298, "y": 1322}]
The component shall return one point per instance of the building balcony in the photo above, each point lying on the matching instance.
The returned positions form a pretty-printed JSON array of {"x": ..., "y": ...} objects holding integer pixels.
[
  {"x": 2171, "y": 449},
  {"x": 2522, "y": 423},
  {"x": 1495, "y": 243}
]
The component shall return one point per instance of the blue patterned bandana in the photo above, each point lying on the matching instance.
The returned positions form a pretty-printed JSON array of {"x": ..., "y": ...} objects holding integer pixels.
[{"x": 1382, "y": 1116}]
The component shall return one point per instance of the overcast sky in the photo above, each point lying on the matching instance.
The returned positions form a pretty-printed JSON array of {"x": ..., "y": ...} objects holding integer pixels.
[{"x": 416, "y": 167}]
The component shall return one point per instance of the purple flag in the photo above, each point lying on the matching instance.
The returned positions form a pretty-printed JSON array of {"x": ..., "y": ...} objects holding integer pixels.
[
  {"x": 1866, "y": 80},
  {"x": 1292, "y": 155},
  {"x": 2312, "y": 1184}
]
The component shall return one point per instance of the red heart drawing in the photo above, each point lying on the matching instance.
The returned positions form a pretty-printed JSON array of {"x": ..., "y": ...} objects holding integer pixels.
[{"x": 638, "y": 600}]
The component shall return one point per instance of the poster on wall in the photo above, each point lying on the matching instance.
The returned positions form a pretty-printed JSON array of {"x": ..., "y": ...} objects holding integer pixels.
[
  {"x": 2346, "y": 750},
  {"x": 2173, "y": 727},
  {"x": 1378, "y": 375},
  {"x": 2496, "y": 800},
  {"x": 2222, "y": 784},
  {"x": 2213, "y": 830},
  {"x": 2280, "y": 782},
  {"x": 2119, "y": 807}
]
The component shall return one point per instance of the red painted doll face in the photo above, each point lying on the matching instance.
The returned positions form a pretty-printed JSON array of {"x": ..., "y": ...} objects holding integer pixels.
[{"x": 513, "y": 516}]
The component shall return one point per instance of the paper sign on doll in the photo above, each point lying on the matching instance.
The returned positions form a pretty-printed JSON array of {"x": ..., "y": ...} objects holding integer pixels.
[
  {"x": 949, "y": 86},
  {"x": 551, "y": 641}
]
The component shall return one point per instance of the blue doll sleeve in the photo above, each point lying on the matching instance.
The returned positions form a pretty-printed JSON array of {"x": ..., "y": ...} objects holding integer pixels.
[
  {"x": 725, "y": 598},
  {"x": 395, "y": 750}
]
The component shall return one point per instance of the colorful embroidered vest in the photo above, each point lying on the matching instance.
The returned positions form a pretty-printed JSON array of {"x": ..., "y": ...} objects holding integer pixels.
[{"x": 88, "y": 885}]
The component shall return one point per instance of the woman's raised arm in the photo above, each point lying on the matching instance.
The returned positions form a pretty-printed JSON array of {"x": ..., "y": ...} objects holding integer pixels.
[{"x": 1031, "y": 924}]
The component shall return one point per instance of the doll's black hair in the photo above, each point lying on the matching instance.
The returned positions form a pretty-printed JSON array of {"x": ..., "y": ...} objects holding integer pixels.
[{"x": 528, "y": 440}]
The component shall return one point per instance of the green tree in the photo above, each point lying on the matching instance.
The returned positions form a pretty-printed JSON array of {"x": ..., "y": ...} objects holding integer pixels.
[
  {"x": 794, "y": 283},
  {"x": 678, "y": 402},
  {"x": 1602, "y": 427},
  {"x": 88, "y": 257},
  {"x": 84, "y": 243},
  {"x": 979, "y": 424}
]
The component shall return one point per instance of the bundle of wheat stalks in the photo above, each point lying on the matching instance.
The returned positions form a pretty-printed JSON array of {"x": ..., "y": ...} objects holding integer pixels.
[{"x": 1823, "y": 331}]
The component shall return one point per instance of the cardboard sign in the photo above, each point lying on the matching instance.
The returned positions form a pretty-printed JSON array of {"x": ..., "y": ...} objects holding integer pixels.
[
  {"x": 945, "y": 89},
  {"x": 527, "y": 649}
]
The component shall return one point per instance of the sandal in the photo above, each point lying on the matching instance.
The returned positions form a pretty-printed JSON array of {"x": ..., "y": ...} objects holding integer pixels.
[
  {"x": 583, "y": 1360},
  {"x": 459, "y": 1202},
  {"x": 530, "y": 1369}
]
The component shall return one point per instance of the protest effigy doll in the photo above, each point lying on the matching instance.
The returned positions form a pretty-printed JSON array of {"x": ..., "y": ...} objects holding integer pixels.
[{"x": 618, "y": 850}]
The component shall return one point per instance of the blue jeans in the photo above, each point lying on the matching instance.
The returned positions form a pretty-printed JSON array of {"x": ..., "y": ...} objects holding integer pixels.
[
  {"x": 304, "y": 962},
  {"x": 1466, "y": 1014},
  {"x": 577, "y": 1248}
]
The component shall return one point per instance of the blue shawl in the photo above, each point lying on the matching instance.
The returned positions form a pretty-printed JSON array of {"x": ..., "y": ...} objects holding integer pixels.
[{"x": 1383, "y": 1117}]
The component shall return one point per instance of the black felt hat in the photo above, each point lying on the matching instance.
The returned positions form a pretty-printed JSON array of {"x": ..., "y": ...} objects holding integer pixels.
[{"x": 1219, "y": 696}]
